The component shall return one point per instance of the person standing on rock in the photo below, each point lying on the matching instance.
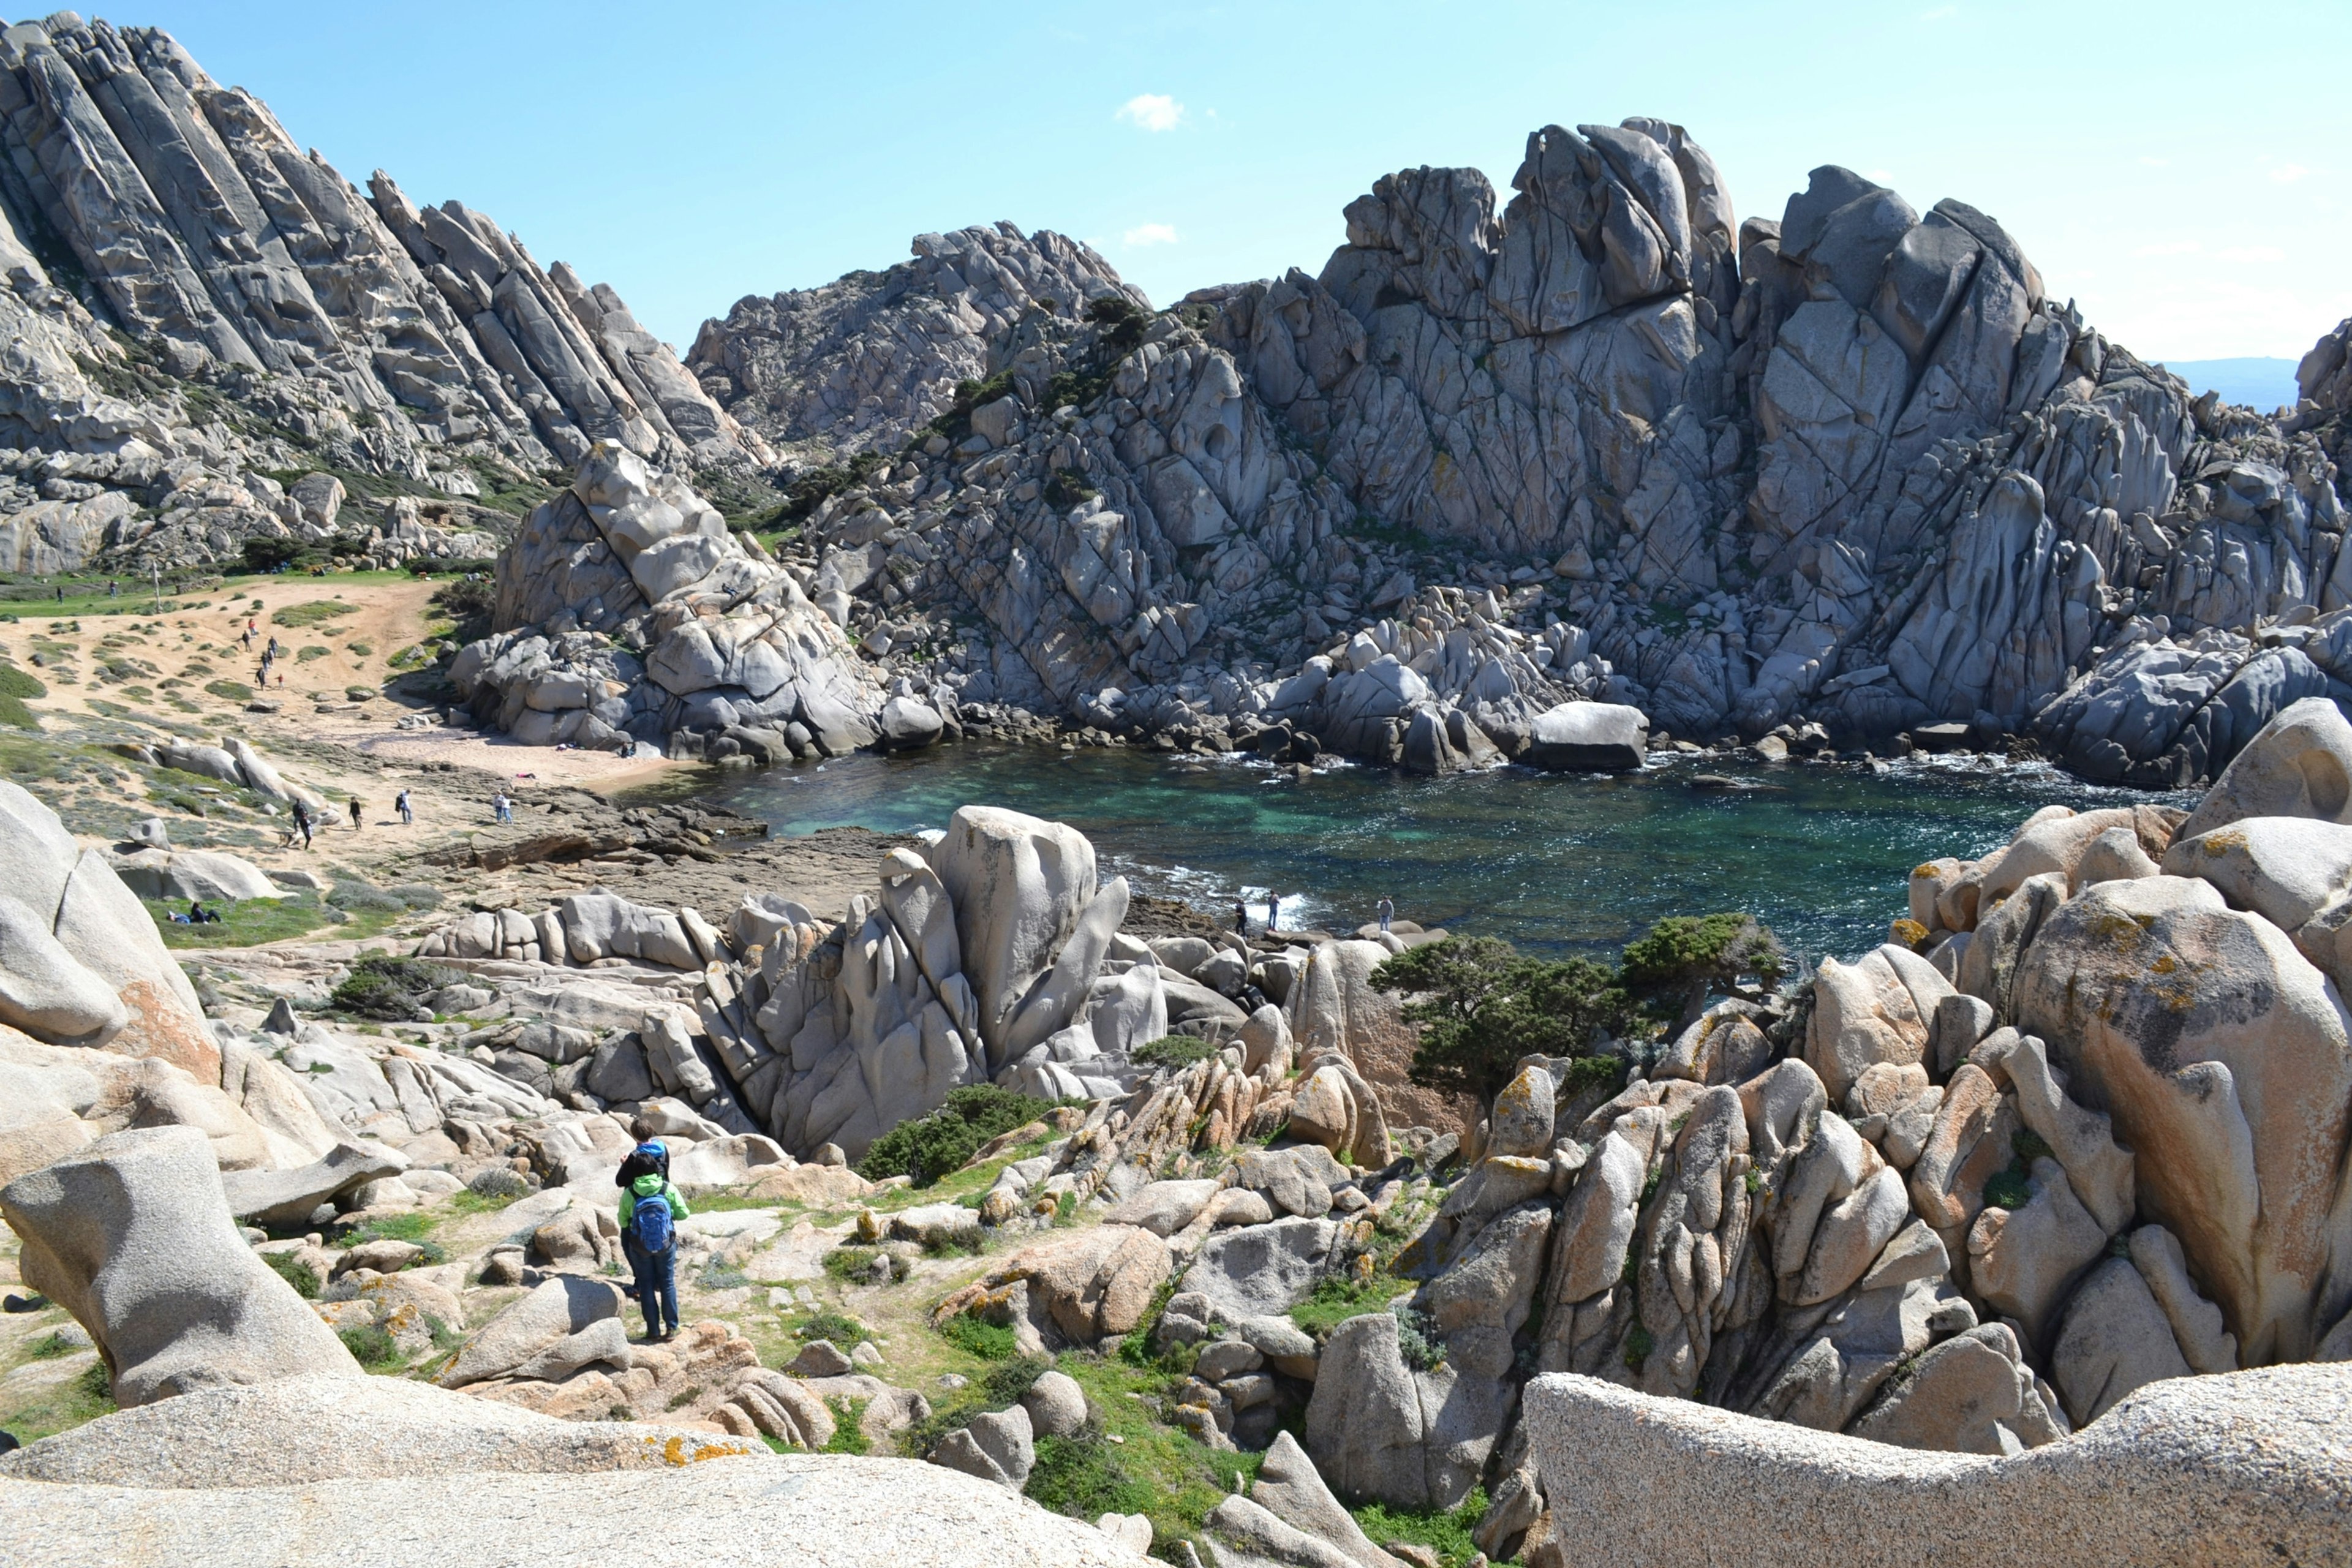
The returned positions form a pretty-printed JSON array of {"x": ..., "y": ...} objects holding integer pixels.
[
  {"x": 1272, "y": 912},
  {"x": 650, "y": 1210},
  {"x": 501, "y": 809},
  {"x": 407, "y": 813},
  {"x": 1240, "y": 916},
  {"x": 651, "y": 1156},
  {"x": 1387, "y": 911}
]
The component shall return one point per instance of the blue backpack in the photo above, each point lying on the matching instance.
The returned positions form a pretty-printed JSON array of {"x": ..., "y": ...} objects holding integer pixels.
[{"x": 650, "y": 1222}]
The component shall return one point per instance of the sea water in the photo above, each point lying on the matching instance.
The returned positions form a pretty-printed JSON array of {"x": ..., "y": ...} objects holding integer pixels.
[{"x": 1557, "y": 863}]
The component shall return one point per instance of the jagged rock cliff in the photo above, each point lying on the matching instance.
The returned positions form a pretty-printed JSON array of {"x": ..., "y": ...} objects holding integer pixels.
[
  {"x": 195, "y": 304},
  {"x": 1852, "y": 465}
]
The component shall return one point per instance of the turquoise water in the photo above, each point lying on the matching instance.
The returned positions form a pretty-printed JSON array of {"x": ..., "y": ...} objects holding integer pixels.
[{"x": 1554, "y": 862}]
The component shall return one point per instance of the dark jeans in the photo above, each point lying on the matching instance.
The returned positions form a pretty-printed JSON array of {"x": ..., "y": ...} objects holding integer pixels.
[{"x": 657, "y": 1278}]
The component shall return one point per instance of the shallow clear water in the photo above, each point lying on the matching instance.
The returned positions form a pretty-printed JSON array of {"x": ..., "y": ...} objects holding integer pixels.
[{"x": 1553, "y": 862}]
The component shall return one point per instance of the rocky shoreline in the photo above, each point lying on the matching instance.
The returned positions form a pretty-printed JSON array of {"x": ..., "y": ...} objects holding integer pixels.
[{"x": 2033, "y": 1181}]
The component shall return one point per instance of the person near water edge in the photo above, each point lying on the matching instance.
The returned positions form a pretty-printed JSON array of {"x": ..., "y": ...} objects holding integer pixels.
[{"x": 1387, "y": 911}]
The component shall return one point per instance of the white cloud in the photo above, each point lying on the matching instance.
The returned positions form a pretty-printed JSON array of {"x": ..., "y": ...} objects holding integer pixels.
[
  {"x": 1151, "y": 111},
  {"x": 2288, "y": 174},
  {"x": 1884, "y": 177},
  {"x": 1142, "y": 235},
  {"x": 2171, "y": 248},
  {"x": 2254, "y": 253}
]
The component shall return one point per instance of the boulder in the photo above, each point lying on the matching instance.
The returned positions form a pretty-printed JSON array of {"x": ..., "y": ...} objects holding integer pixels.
[
  {"x": 206, "y": 874},
  {"x": 286, "y": 1197},
  {"x": 1056, "y": 1406},
  {"x": 132, "y": 1237},
  {"x": 1092, "y": 1282},
  {"x": 1377, "y": 1430},
  {"x": 1297, "y": 1180},
  {"x": 547, "y": 1318},
  {"x": 1018, "y": 885},
  {"x": 1258, "y": 1270},
  {"x": 2298, "y": 764},
  {"x": 998, "y": 1446},
  {"x": 44, "y": 991},
  {"x": 2114, "y": 1341},
  {"x": 1163, "y": 1209},
  {"x": 1970, "y": 1395},
  {"x": 2224, "y": 1062},
  {"x": 909, "y": 724},
  {"x": 2232, "y": 1471},
  {"x": 1602, "y": 736}
]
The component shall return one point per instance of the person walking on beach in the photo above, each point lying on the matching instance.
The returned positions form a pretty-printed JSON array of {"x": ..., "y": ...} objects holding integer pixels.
[
  {"x": 302, "y": 823},
  {"x": 1387, "y": 912},
  {"x": 359, "y": 808},
  {"x": 400, "y": 804}
]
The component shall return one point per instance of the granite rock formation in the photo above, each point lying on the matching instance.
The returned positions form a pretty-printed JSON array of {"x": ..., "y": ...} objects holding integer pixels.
[{"x": 196, "y": 307}]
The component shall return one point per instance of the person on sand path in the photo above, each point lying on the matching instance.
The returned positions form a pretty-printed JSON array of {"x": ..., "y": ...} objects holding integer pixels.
[
  {"x": 302, "y": 823},
  {"x": 650, "y": 1210},
  {"x": 650, "y": 1157},
  {"x": 408, "y": 814},
  {"x": 359, "y": 808}
]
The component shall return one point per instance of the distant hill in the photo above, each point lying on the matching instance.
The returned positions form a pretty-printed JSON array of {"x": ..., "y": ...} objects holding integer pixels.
[{"x": 2263, "y": 384}]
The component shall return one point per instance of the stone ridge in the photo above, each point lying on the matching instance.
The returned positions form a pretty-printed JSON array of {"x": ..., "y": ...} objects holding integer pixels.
[
  {"x": 1850, "y": 466},
  {"x": 194, "y": 302}
]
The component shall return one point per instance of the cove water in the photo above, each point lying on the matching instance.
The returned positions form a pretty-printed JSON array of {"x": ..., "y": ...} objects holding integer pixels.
[{"x": 1557, "y": 863}]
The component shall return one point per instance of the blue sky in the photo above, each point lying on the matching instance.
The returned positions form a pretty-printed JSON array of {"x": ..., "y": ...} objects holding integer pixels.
[{"x": 2188, "y": 180}]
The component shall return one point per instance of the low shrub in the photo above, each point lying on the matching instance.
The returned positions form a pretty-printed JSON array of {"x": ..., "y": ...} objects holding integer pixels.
[
  {"x": 827, "y": 1324},
  {"x": 372, "y": 1347},
  {"x": 848, "y": 1436},
  {"x": 931, "y": 1146},
  {"x": 1080, "y": 1475},
  {"x": 295, "y": 1272},
  {"x": 1173, "y": 1051},
  {"x": 392, "y": 988},
  {"x": 990, "y": 1342},
  {"x": 1446, "y": 1531}
]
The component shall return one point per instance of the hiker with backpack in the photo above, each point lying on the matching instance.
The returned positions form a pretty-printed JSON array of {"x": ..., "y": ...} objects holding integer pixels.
[{"x": 650, "y": 1210}]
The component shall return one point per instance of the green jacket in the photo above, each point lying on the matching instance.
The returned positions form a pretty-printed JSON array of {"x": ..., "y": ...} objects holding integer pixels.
[{"x": 650, "y": 1186}]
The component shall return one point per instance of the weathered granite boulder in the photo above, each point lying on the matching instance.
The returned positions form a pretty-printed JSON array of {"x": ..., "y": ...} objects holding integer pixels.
[{"x": 131, "y": 1235}]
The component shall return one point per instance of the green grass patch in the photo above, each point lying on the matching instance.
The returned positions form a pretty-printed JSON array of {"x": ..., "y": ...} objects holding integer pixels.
[
  {"x": 18, "y": 683},
  {"x": 1337, "y": 1298},
  {"x": 51, "y": 1346},
  {"x": 304, "y": 654},
  {"x": 849, "y": 1264},
  {"x": 825, "y": 1323},
  {"x": 313, "y": 612},
  {"x": 989, "y": 1342},
  {"x": 249, "y": 923},
  {"x": 17, "y": 716},
  {"x": 848, "y": 1438},
  {"x": 230, "y": 690},
  {"x": 1446, "y": 1531}
]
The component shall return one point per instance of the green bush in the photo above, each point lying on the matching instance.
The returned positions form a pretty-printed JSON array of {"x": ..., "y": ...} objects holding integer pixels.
[
  {"x": 349, "y": 893},
  {"x": 1680, "y": 961},
  {"x": 230, "y": 690},
  {"x": 2008, "y": 1190},
  {"x": 268, "y": 552},
  {"x": 372, "y": 1347},
  {"x": 16, "y": 715},
  {"x": 839, "y": 1327},
  {"x": 1173, "y": 1051},
  {"x": 850, "y": 1264},
  {"x": 1080, "y": 1475},
  {"x": 932, "y": 1146},
  {"x": 990, "y": 1342},
  {"x": 1336, "y": 1298},
  {"x": 392, "y": 988},
  {"x": 295, "y": 1272},
  {"x": 14, "y": 682}
]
